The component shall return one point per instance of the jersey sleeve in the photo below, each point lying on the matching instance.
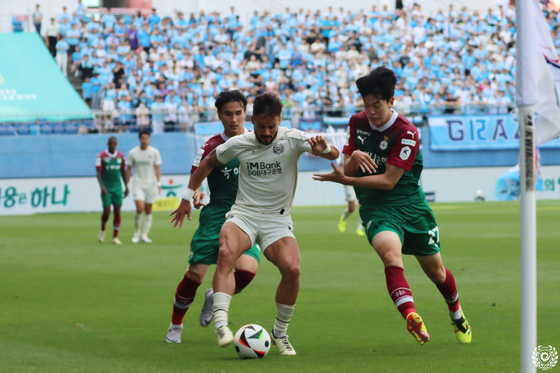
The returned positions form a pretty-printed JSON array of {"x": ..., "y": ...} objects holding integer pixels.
[
  {"x": 200, "y": 155},
  {"x": 350, "y": 145},
  {"x": 157, "y": 158},
  {"x": 99, "y": 162},
  {"x": 404, "y": 151},
  {"x": 123, "y": 164},
  {"x": 229, "y": 150},
  {"x": 130, "y": 159},
  {"x": 303, "y": 145}
]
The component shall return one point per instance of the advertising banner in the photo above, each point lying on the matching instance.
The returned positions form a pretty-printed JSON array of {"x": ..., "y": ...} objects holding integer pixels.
[{"x": 477, "y": 132}]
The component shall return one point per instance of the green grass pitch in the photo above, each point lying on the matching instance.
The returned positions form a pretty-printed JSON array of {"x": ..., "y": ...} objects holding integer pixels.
[{"x": 70, "y": 304}]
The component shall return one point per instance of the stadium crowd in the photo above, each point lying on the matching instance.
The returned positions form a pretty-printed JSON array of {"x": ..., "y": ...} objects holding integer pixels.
[{"x": 177, "y": 65}]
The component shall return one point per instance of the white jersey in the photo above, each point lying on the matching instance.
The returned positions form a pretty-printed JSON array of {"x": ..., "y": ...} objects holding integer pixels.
[
  {"x": 144, "y": 162},
  {"x": 267, "y": 173}
]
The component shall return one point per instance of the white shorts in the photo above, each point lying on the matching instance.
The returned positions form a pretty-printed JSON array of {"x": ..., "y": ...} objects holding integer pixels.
[
  {"x": 350, "y": 193},
  {"x": 264, "y": 229},
  {"x": 148, "y": 195}
]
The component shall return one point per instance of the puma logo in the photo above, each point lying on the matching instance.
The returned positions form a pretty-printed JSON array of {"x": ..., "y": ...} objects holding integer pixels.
[
  {"x": 362, "y": 139},
  {"x": 411, "y": 133}
]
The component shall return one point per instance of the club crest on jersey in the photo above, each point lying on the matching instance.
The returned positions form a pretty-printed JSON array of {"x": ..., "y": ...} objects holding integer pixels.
[
  {"x": 278, "y": 149},
  {"x": 405, "y": 153},
  {"x": 383, "y": 144}
]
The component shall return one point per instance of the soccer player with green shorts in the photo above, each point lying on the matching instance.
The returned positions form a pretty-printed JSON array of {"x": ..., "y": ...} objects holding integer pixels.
[
  {"x": 383, "y": 163},
  {"x": 205, "y": 244},
  {"x": 110, "y": 165}
]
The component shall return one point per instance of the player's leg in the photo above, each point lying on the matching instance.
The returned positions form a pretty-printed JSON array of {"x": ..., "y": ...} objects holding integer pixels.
[
  {"x": 245, "y": 270},
  {"x": 284, "y": 254},
  {"x": 388, "y": 245},
  {"x": 360, "y": 231},
  {"x": 147, "y": 224},
  {"x": 184, "y": 296},
  {"x": 350, "y": 196},
  {"x": 138, "y": 195},
  {"x": 104, "y": 218},
  {"x": 233, "y": 242},
  {"x": 116, "y": 200},
  {"x": 445, "y": 282}
]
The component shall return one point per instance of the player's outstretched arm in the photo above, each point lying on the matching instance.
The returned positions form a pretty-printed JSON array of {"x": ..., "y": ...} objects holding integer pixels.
[
  {"x": 203, "y": 170},
  {"x": 385, "y": 181},
  {"x": 321, "y": 148},
  {"x": 359, "y": 160}
]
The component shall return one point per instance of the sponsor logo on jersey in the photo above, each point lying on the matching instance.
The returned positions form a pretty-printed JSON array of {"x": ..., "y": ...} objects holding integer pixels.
[
  {"x": 263, "y": 168},
  {"x": 405, "y": 153},
  {"x": 361, "y": 132},
  {"x": 362, "y": 139},
  {"x": 383, "y": 144},
  {"x": 408, "y": 142},
  {"x": 198, "y": 157},
  {"x": 227, "y": 171},
  {"x": 380, "y": 161},
  {"x": 278, "y": 149},
  {"x": 411, "y": 133}
]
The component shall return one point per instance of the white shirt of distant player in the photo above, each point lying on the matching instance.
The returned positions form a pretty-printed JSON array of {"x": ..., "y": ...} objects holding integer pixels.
[
  {"x": 268, "y": 173},
  {"x": 143, "y": 163}
]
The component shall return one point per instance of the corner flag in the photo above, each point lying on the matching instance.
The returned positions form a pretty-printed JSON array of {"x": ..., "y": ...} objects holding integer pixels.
[{"x": 538, "y": 70}]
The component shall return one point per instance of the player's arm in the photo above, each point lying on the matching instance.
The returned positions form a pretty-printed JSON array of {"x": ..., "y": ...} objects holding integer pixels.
[
  {"x": 125, "y": 179},
  {"x": 158, "y": 176},
  {"x": 385, "y": 181},
  {"x": 100, "y": 181},
  {"x": 359, "y": 160},
  {"x": 321, "y": 148},
  {"x": 203, "y": 170}
]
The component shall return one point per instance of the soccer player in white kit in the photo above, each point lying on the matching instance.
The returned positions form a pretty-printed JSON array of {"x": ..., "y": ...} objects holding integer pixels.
[
  {"x": 267, "y": 182},
  {"x": 146, "y": 182}
]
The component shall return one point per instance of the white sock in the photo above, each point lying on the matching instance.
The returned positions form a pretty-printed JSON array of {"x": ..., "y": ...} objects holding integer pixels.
[
  {"x": 345, "y": 215},
  {"x": 221, "y": 309},
  {"x": 137, "y": 222},
  {"x": 456, "y": 315},
  {"x": 147, "y": 224},
  {"x": 359, "y": 222},
  {"x": 283, "y": 315}
]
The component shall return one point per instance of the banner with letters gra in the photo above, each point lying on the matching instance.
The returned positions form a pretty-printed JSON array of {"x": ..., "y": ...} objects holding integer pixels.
[{"x": 476, "y": 132}]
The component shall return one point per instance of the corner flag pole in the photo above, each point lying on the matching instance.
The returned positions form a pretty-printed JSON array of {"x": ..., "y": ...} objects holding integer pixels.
[{"x": 528, "y": 237}]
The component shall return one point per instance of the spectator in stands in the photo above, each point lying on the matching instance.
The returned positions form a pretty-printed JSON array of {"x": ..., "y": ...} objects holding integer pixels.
[
  {"x": 87, "y": 91},
  {"x": 95, "y": 91},
  {"x": 52, "y": 33},
  {"x": 37, "y": 19},
  {"x": 62, "y": 54}
]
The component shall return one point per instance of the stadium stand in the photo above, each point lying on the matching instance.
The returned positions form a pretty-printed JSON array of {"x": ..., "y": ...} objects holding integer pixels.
[{"x": 451, "y": 62}]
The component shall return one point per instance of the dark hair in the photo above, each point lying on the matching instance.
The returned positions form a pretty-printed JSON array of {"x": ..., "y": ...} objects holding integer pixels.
[
  {"x": 380, "y": 83},
  {"x": 267, "y": 104},
  {"x": 112, "y": 138},
  {"x": 143, "y": 132},
  {"x": 230, "y": 96}
]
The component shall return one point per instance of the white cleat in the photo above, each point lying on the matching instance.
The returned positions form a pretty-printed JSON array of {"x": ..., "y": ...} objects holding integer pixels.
[
  {"x": 136, "y": 238},
  {"x": 284, "y": 346},
  {"x": 116, "y": 241},
  {"x": 174, "y": 333},
  {"x": 207, "y": 313},
  {"x": 101, "y": 236},
  {"x": 225, "y": 336},
  {"x": 145, "y": 238}
]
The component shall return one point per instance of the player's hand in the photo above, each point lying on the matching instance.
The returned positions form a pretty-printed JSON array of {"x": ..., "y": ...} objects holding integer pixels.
[
  {"x": 103, "y": 191},
  {"x": 184, "y": 208},
  {"x": 126, "y": 192},
  {"x": 159, "y": 189},
  {"x": 337, "y": 176},
  {"x": 318, "y": 143},
  {"x": 364, "y": 162},
  {"x": 198, "y": 196}
]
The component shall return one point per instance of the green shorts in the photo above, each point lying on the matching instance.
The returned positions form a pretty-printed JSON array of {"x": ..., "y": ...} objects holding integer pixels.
[
  {"x": 414, "y": 224},
  {"x": 114, "y": 196},
  {"x": 205, "y": 245}
]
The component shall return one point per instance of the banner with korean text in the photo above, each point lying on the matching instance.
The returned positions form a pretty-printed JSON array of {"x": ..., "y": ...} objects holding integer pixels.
[{"x": 477, "y": 132}]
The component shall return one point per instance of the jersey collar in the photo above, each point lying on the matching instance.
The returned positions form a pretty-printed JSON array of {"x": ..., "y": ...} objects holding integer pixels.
[
  {"x": 388, "y": 124},
  {"x": 111, "y": 155},
  {"x": 226, "y": 138}
]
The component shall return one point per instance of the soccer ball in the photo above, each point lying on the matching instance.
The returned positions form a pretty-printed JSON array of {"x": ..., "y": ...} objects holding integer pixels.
[{"x": 252, "y": 341}]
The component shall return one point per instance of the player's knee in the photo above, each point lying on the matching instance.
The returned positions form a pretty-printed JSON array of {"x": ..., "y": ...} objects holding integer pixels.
[
  {"x": 226, "y": 255},
  {"x": 291, "y": 272}
]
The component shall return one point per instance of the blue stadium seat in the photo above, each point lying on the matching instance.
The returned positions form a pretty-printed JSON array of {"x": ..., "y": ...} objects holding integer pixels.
[
  {"x": 70, "y": 129},
  {"x": 23, "y": 129},
  {"x": 33, "y": 129},
  {"x": 10, "y": 130},
  {"x": 2, "y": 130},
  {"x": 45, "y": 129},
  {"x": 58, "y": 130},
  {"x": 176, "y": 127},
  {"x": 88, "y": 123},
  {"x": 17, "y": 26}
]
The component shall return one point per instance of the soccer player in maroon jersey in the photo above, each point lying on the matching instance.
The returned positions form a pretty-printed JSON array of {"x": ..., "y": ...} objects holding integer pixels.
[
  {"x": 110, "y": 165},
  {"x": 383, "y": 163}
]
